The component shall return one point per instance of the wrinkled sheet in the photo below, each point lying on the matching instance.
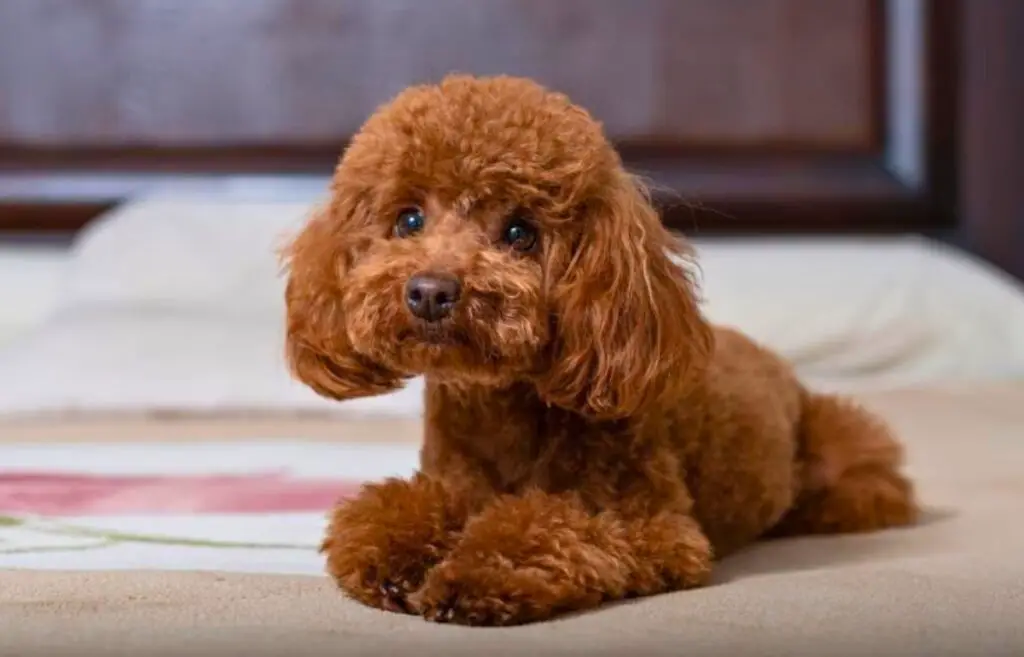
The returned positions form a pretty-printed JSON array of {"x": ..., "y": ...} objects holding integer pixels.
[
  {"x": 236, "y": 581},
  {"x": 176, "y": 304}
]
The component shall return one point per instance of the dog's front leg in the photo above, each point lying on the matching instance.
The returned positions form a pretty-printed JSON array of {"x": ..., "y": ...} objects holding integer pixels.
[
  {"x": 529, "y": 558},
  {"x": 381, "y": 543}
]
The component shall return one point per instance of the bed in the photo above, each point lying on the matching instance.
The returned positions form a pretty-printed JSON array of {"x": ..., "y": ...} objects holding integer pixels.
[
  {"x": 949, "y": 587},
  {"x": 163, "y": 482}
]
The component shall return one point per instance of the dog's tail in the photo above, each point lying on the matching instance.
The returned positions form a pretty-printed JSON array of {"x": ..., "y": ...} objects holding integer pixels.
[{"x": 850, "y": 479}]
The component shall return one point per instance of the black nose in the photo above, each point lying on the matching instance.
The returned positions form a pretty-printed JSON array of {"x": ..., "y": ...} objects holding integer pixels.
[{"x": 431, "y": 296}]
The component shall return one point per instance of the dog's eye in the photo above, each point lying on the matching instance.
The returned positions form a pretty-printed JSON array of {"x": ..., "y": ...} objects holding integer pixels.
[
  {"x": 520, "y": 235},
  {"x": 410, "y": 221}
]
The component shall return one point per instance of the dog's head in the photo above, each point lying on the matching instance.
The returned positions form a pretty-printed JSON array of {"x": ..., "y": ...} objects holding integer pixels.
[{"x": 483, "y": 231}]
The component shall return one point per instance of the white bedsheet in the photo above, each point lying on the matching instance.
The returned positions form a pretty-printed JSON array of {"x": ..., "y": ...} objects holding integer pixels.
[
  {"x": 176, "y": 304},
  {"x": 163, "y": 506},
  {"x": 31, "y": 280}
]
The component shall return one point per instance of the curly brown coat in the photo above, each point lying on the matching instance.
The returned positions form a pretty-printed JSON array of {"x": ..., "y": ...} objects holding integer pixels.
[{"x": 589, "y": 436}]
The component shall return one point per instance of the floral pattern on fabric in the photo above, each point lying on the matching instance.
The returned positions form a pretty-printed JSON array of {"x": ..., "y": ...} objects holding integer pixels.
[{"x": 37, "y": 509}]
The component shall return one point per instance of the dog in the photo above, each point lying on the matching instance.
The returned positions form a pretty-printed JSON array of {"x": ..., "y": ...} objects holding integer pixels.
[{"x": 589, "y": 435}]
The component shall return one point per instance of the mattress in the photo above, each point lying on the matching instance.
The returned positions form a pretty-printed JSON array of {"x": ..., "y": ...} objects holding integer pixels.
[
  {"x": 181, "y": 535},
  {"x": 163, "y": 483}
]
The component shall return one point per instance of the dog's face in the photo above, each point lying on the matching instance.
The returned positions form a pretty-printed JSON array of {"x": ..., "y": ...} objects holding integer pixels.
[
  {"x": 449, "y": 285},
  {"x": 482, "y": 231}
]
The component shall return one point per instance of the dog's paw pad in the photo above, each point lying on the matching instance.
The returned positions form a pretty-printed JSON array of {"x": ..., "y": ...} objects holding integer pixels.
[
  {"x": 394, "y": 597},
  {"x": 462, "y": 608},
  {"x": 443, "y": 613}
]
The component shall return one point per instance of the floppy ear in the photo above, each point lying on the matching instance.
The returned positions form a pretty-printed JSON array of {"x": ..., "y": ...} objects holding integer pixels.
[
  {"x": 318, "y": 349},
  {"x": 628, "y": 331}
]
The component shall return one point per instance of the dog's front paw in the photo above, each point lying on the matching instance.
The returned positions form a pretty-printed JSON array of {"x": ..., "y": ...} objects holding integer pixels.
[
  {"x": 380, "y": 544},
  {"x": 526, "y": 559},
  {"x": 483, "y": 595}
]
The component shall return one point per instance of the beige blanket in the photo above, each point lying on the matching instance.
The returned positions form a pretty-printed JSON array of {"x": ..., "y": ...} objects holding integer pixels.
[{"x": 952, "y": 586}]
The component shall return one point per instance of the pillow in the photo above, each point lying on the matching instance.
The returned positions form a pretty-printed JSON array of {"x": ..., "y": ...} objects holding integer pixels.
[
  {"x": 857, "y": 313},
  {"x": 177, "y": 305},
  {"x": 177, "y": 254},
  {"x": 30, "y": 279}
]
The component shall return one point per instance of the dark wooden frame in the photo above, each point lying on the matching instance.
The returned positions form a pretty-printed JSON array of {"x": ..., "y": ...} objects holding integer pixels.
[
  {"x": 991, "y": 143},
  {"x": 962, "y": 181},
  {"x": 862, "y": 192}
]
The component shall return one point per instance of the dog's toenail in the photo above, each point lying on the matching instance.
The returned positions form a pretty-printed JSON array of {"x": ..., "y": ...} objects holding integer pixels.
[{"x": 394, "y": 598}]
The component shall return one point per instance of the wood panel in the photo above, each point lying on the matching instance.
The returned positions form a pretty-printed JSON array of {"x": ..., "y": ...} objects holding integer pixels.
[
  {"x": 991, "y": 166},
  {"x": 234, "y": 72},
  {"x": 770, "y": 73},
  {"x": 769, "y": 115}
]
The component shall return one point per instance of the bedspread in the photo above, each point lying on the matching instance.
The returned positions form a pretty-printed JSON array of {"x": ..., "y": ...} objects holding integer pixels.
[{"x": 173, "y": 536}]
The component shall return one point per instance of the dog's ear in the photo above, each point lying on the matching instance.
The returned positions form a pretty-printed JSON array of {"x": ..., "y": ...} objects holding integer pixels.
[
  {"x": 318, "y": 349},
  {"x": 628, "y": 330}
]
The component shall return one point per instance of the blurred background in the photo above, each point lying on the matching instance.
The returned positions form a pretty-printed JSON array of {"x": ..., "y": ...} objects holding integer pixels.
[
  {"x": 779, "y": 114},
  {"x": 153, "y": 153}
]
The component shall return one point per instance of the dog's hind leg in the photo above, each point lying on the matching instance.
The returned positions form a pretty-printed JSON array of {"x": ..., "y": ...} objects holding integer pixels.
[{"x": 851, "y": 479}]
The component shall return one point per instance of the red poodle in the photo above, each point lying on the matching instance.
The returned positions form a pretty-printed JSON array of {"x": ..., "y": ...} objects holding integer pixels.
[{"x": 589, "y": 435}]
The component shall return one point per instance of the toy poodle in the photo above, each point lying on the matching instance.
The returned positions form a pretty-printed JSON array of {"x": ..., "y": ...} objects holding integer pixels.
[{"x": 589, "y": 436}]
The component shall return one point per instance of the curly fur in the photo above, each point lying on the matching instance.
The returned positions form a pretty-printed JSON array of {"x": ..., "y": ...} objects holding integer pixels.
[{"x": 589, "y": 436}]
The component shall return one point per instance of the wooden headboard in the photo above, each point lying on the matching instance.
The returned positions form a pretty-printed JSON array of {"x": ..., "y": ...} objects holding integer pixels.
[{"x": 767, "y": 116}]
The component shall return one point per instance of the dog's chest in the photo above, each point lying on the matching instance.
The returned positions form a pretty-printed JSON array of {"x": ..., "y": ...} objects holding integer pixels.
[{"x": 509, "y": 438}]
